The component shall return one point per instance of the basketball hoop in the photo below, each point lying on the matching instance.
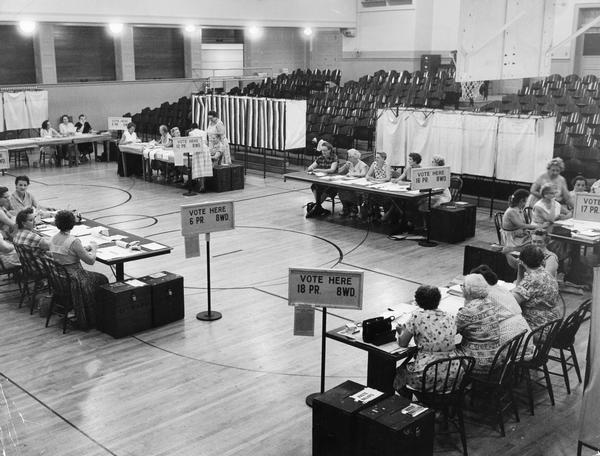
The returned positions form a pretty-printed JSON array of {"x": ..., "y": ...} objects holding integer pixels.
[{"x": 470, "y": 91}]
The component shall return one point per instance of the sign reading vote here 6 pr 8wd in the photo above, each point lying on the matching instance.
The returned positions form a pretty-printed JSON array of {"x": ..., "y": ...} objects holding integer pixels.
[{"x": 207, "y": 217}]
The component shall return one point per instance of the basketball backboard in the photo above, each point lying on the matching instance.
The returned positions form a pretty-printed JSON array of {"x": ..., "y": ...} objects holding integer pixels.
[{"x": 504, "y": 39}]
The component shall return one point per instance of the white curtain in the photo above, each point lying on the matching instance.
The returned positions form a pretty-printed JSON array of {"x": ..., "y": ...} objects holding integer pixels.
[
  {"x": 523, "y": 148},
  {"x": 479, "y": 145},
  {"x": 295, "y": 124},
  {"x": 391, "y": 136},
  {"x": 37, "y": 107},
  {"x": 15, "y": 111},
  {"x": 509, "y": 148}
]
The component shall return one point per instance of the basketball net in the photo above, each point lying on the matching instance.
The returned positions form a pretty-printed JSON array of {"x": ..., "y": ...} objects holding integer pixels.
[{"x": 470, "y": 90}]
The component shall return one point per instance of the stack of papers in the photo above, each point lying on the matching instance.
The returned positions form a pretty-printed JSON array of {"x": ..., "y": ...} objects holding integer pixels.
[
  {"x": 113, "y": 252},
  {"x": 366, "y": 395},
  {"x": 587, "y": 235}
]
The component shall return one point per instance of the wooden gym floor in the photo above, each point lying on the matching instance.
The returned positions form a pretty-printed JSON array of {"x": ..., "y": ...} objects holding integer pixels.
[{"x": 234, "y": 386}]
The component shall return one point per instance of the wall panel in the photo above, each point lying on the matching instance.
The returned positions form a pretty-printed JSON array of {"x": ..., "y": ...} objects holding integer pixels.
[
  {"x": 158, "y": 53},
  {"x": 17, "y": 61}
]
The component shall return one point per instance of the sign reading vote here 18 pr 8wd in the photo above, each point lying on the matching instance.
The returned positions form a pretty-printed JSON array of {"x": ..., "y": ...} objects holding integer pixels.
[
  {"x": 206, "y": 217},
  {"x": 326, "y": 288},
  {"x": 433, "y": 177}
]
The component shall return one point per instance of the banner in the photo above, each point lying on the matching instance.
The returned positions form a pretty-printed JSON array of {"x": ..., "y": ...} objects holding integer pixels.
[{"x": 589, "y": 431}]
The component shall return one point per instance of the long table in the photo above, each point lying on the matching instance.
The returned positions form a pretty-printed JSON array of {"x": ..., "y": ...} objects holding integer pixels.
[
  {"x": 108, "y": 252},
  {"x": 32, "y": 143},
  {"x": 567, "y": 231},
  {"x": 383, "y": 359}
]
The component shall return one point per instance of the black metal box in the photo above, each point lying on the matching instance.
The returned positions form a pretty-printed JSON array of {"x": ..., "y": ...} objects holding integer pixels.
[
  {"x": 220, "y": 180},
  {"x": 237, "y": 177},
  {"x": 383, "y": 430},
  {"x": 167, "y": 297},
  {"x": 453, "y": 223},
  {"x": 479, "y": 252},
  {"x": 124, "y": 309},
  {"x": 334, "y": 420}
]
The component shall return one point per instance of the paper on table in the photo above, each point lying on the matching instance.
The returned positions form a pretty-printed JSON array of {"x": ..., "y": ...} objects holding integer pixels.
[
  {"x": 135, "y": 283},
  {"x": 81, "y": 230},
  {"x": 153, "y": 246},
  {"x": 112, "y": 252},
  {"x": 117, "y": 237}
]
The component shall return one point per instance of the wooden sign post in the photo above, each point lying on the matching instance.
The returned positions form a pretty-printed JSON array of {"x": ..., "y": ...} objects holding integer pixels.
[
  {"x": 341, "y": 289},
  {"x": 206, "y": 218},
  {"x": 428, "y": 179}
]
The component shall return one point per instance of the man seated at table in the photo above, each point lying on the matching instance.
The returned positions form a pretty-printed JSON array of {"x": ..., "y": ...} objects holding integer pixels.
[
  {"x": 326, "y": 163},
  {"x": 25, "y": 235},
  {"x": 21, "y": 198},
  {"x": 354, "y": 167}
]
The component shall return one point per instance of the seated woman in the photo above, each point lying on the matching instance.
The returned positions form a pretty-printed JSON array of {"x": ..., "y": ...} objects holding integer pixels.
[
  {"x": 326, "y": 163},
  {"x": 83, "y": 127},
  {"x": 130, "y": 136},
  {"x": 510, "y": 319},
  {"x": 579, "y": 184},
  {"x": 25, "y": 234},
  {"x": 536, "y": 290},
  {"x": 70, "y": 252},
  {"x": 514, "y": 230},
  {"x": 433, "y": 331},
  {"x": 379, "y": 172},
  {"x": 48, "y": 132},
  {"x": 548, "y": 210},
  {"x": 478, "y": 324},
  {"x": 7, "y": 221},
  {"x": 165, "y": 140},
  {"x": 68, "y": 151},
  {"x": 414, "y": 161},
  {"x": 553, "y": 176},
  {"x": 354, "y": 167},
  {"x": 444, "y": 197}
]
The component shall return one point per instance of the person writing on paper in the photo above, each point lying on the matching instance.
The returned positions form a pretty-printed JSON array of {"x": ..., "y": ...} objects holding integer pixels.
[
  {"x": 68, "y": 250},
  {"x": 414, "y": 161},
  {"x": 552, "y": 176},
  {"x": 536, "y": 290},
  {"x": 326, "y": 163},
  {"x": 510, "y": 319},
  {"x": 130, "y": 136},
  {"x": 353, "y": 168},
  {"x": 477, "y": 322},
  {"x": 379, "y": 171},
  {"x": 514, "y": 229},
  {"x": 47, "y": 131},
  {"x": 165, "y": 140},
  {"x": 433, "y": 332},
  {"x": 7, "y": 221},
  {"x": 218, "y": 145},
  {"x": 26, "y": 235}
]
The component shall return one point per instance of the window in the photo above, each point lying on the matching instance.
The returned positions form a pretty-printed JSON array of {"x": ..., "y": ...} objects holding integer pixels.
[
  {"x": 591, "y": 44},
  {"x": 83, "y": 53},
  {"x": 17, "y": 60},
  {"x": 158, "y": 53}
]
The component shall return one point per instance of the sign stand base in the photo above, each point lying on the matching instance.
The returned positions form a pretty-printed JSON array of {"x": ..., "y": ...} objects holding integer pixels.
[
  {"x": 310, "y": 398},
  {"x": 209, "y": 315},
  {"x": 426, "y": 243}
]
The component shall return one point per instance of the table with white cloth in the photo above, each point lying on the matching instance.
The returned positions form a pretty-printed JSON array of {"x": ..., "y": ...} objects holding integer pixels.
[
  {"x": 197, "y": 167},
  {"x": 13, "y": 145}
]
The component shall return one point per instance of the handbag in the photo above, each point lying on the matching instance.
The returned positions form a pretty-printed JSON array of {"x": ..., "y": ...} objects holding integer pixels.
[{"x": 378, "y": 330}]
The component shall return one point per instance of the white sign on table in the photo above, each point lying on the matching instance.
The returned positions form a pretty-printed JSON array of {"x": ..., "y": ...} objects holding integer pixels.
[
  {"x": 118, "y": 123},
  {"x": 587, "y": 207},
  {"x": 432, "y": 177},
  {"x": 198, "y": 218},
  {"x": 337, "y": 288},
  {"x": 4, "y": 158}
]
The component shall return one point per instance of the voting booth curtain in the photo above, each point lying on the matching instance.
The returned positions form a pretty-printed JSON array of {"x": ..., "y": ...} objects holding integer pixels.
[
  {"x": 479, "y": 144},
  {"x": 256, "y": 122},
  {"x": 21, "y": 110}
]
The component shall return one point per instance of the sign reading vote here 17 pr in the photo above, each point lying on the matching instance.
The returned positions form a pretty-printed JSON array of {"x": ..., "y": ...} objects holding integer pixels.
[
  {"x": 326, "y": 288},
  {"x": 587, "y": 207},
  {"x": 200, "y": 218},
  {"x": 433, "y": 177}
]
